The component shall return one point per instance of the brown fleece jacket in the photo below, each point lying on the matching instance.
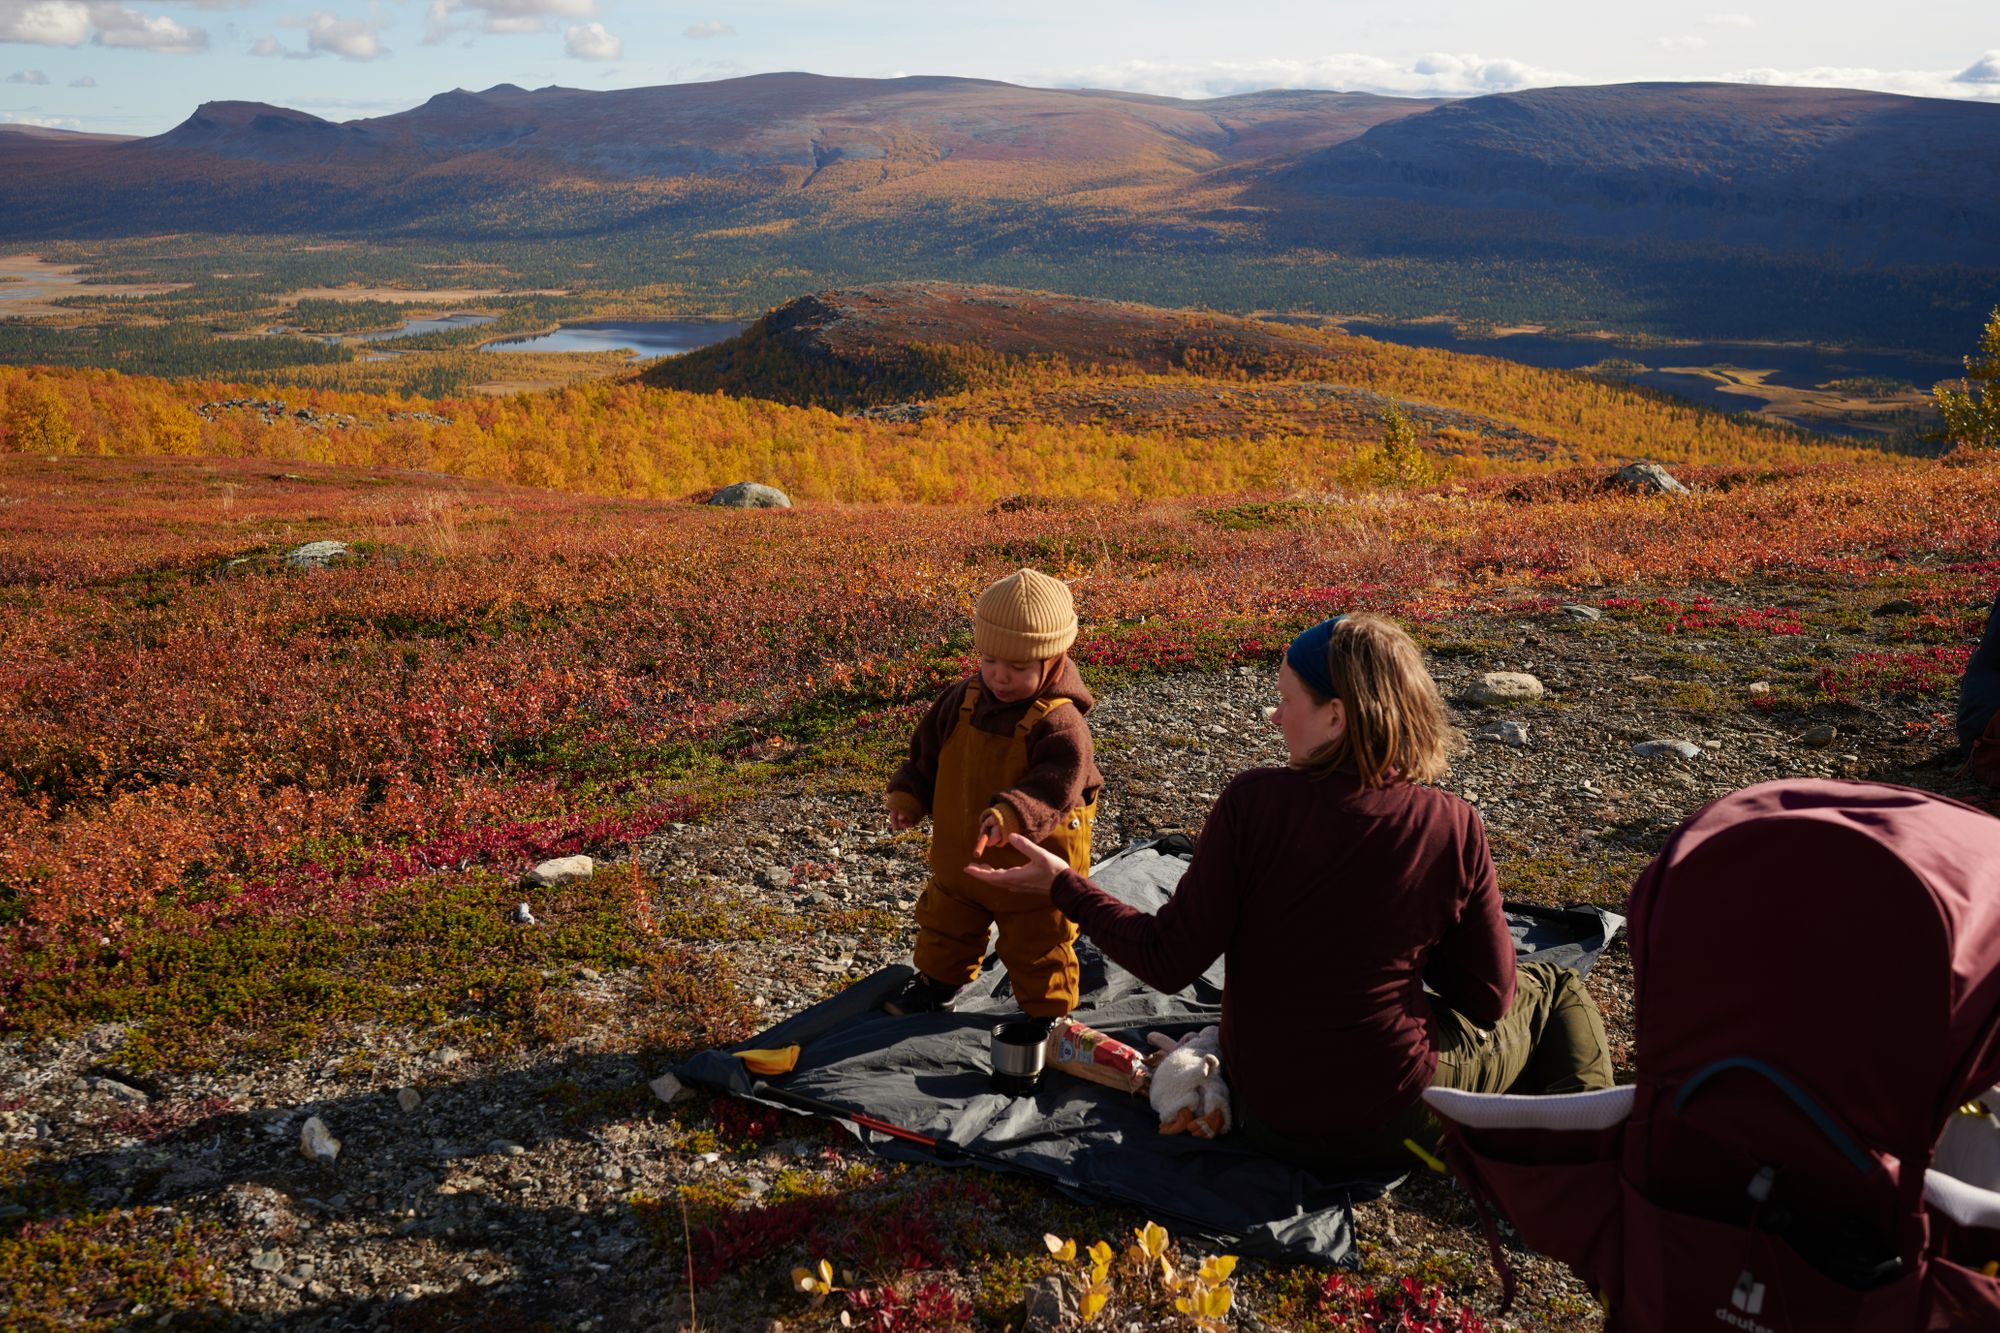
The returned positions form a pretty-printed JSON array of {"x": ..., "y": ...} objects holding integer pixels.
[{"x": 1061, "y": 773}]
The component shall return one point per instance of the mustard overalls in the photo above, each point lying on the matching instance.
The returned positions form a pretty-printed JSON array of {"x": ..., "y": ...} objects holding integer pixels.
[{"x": 955, "y": 912}]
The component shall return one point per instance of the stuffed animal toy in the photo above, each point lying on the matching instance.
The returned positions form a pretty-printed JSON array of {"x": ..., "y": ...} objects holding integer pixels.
[{"x": 1187, "y": 1090}]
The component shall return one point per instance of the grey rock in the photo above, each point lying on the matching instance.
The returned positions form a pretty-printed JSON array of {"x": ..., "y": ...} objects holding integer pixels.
[
  {"x": 505, "y": 1148},
  {"x": 523, "y": 915},
  {"x": 317, "y": 555},
  {"x": 1050, "y": 1306},
  {"x": 560, "y": 870},
  {"x": 775, "y": 877},
  {"x": 1577, "y": 611},
  {"x": 1648, "y": 477},
  {"x": 1760, "y": 687},
  {"x": 1668, "y": 749},
  {"x": 750, "y": 495},
  {"x": 124, "y": 1092},
  {"x": 1818, "y": 738},
  {"x": 267, "y": 1261},
  {"x": 409, "y": 1099},
  {"x": 1503, "y": 733},
  {"x": 316, "y": 1142},
  {"x": 1505, "y": 687},
  {"x": 259, "y": 1208}
]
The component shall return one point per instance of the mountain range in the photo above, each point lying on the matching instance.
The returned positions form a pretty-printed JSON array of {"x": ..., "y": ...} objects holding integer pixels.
[{"x": 1683, "y": 193}]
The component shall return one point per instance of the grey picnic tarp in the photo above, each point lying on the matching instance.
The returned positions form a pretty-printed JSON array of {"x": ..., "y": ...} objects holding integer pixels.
[{"x": 928, "y": 1073}]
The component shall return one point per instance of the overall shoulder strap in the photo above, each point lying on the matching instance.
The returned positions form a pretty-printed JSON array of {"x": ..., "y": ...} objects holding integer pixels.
[{"x": 1037, "y": 711}]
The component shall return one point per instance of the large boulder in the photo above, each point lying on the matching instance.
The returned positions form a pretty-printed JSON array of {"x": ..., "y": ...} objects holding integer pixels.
[
  {"x": 317, "y": 555},
  {"x": 1648, "y": 479},
  {"x": 750, "y": 495},
  {"x": 1501, "y": 687}
]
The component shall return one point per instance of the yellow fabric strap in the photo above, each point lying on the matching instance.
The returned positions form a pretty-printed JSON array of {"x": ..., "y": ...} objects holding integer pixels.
[{"x": 1039, "y": 710}]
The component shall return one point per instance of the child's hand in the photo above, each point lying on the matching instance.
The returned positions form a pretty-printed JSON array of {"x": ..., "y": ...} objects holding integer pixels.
[
  {"x": 991, "y": 834},
  {"x": 1034, "y": 878},
  {"x": 900, "y": 820}
]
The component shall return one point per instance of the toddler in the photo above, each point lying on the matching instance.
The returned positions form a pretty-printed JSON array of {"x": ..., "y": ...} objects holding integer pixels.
[{"x": 1004, "y": 751}]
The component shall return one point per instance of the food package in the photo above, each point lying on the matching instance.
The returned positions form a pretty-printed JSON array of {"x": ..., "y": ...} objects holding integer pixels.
[{"x": 1081, "y": 1050}]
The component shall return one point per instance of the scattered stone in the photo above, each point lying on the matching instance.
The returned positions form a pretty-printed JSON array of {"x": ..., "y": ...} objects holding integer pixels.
[
  {"x": 589, "y": 974},
  {"x": 750, "y": 495},
  {"x": 775, "y": 877},
  {"x": 408, "y": 1099},
  {"x": 1649, "y": 478},
  {"x": 316, "y": 1142},
  {"x": 317, "y": 555},
  {"x": 1667, "y": 750},
  {"x": 1818, "y": 738},
  {"x": 522, "y": 915},
  {"x": 260, "y": 1209},
  {"x": 1577, "y": 611},
  {"x": 668, "y": 1089},
  {"x": 560, "y": 870},
  {"x": 505, "y": 1148},
  {"x": 1050, "y": 1306},
  {"x": 1503, "y": 733},
  {"x": 267, "y": 1261},
  {"x": 124, "y": 1092},
  {"x": 1760, "y": 687},
  {"x": 1505, "y": 687}
]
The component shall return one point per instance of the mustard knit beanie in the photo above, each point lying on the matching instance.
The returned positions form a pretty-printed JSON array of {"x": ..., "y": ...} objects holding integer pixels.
[{"x": 1024, "y": 617}]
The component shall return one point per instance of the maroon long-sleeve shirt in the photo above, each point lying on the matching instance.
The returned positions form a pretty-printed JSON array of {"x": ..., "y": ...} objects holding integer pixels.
[{"x": 1334, "y": 904}]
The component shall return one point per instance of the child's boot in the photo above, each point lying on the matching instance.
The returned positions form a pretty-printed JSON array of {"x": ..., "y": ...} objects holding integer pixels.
[{"x": 921, "y": 995}]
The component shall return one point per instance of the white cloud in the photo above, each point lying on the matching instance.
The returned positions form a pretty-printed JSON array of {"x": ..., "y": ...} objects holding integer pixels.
[
  {"x": 27, "y": 76},
  {"x": 1986, "y": 69},
  {"x": 44, "y": 22},
  {"x": 268, "y": 47},
  {"x": 350, "y": 39},
  {"x": 1729, "y": 20},
  {"x": 85, "y": 82},
  {"x": 1909, "y": 82},
  {"x": 119, "y": 26},
  {"x": 45, "y": 122},
  {"x": 589, "y": 41},
  {"x": 708, "y": 28},
  {"x": 1436, "y": 74},
  {"x": 505, "y": 17},
  {"x": 1680, "y": 43}
]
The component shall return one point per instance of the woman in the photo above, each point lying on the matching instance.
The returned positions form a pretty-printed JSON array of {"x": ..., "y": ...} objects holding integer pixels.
[{"x": 1338, "y": 888}]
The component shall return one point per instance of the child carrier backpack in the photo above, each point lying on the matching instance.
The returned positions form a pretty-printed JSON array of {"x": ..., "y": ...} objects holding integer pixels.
[{"x": 1816, "y": 970}]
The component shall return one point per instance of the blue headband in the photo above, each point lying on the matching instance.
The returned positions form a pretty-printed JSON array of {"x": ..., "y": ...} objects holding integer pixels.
[{"x": 1307, "y": 657}]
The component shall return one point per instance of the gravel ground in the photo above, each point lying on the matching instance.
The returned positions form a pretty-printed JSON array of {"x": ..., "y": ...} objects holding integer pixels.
[{"x": 473, "y": 1192}]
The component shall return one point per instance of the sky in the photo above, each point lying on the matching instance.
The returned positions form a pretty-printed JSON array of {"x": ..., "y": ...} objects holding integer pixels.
[{"x": 133, "y": 67}]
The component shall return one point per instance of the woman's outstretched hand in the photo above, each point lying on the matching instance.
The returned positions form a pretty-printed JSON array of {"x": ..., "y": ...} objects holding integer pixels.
[{"x": 1035, "y": 877}]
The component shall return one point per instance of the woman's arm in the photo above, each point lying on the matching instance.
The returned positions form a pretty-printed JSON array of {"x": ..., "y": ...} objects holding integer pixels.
[
  {"x": 1472, "y": 966},
  {"x": 1168, "y": 949}
]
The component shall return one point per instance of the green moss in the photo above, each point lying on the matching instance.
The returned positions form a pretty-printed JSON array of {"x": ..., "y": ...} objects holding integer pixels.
[
  {"x": 1555, "y": 879},
  {"x": 440, "y": 952},
  {"x": 109, "y": 1270}
]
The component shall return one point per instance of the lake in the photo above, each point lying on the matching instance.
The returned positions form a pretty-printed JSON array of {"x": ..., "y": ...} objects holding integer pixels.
[
  {"x": 433, "y": 324},
  {"x": 644, "y": 338},
  {"x": 1793, "y": 372}
]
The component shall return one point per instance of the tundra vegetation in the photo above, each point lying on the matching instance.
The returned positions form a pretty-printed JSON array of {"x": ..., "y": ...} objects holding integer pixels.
[{"x": 256, "y": 816}]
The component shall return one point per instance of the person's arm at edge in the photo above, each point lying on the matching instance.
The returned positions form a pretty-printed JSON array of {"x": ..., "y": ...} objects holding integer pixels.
[
  {"x": 1472, "y": 966},
  {"x": 1169, "y": 949}
]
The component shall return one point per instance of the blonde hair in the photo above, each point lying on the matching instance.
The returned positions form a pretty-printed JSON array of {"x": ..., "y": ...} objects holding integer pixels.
[{"x": 1397, "y": 729}]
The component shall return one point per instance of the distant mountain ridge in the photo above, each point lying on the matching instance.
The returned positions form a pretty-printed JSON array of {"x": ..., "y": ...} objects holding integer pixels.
[
  {"x": 1894, "y": 179},
  {"x": 1712, "y": 209}
]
